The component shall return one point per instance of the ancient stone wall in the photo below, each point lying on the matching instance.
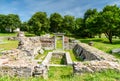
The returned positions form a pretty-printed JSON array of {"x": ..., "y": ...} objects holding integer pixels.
[
  {"x": 24, "y": 71},
  {"x": 31, "y": 45},
  {"x": 87, "y": 52},
  {"x": 94, "y": 60},
  {"x": 20, "y": 71},
  {"x": 94, "y": 66},
  {"x": 47, "y": 43}
]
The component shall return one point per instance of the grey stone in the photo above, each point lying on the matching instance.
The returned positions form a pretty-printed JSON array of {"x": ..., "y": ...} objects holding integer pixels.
[
  {"x": 41, "y": 51},
  {"x": 117, "y": 50},
  {"x": 89, "y": 53}
]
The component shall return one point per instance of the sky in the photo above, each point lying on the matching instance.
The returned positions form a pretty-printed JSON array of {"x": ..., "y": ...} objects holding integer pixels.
[{"x": 26, "y": 8}]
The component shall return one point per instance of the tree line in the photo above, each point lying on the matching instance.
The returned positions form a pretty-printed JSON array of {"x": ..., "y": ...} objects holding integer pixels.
[{"x": 93, "y": 23}]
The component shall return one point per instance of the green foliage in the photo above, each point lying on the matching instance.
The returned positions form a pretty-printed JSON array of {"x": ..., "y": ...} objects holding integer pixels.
[
  {"x": 9, "y": 22},
  {"x": 56, "y": 22},
  {"x": 39, "y": 23},
  {"x": 68, "y": 25}
]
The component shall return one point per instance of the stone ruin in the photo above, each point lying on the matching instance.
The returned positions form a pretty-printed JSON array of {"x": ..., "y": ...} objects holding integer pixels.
[
  {"x": 21, "y": 62},
  {"x": 94, "y": 60}
]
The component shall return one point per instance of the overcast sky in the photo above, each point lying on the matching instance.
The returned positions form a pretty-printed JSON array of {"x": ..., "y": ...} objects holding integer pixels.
[{"x": 26, "y": 8}]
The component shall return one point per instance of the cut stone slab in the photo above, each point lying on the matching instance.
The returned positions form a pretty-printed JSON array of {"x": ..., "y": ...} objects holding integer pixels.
[
  {"x": 41, "y": 51},
  {"x": 117, "y": 50}
]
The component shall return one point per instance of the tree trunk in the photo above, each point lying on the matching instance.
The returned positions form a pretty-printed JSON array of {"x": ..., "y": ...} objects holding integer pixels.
[
  {"x": 110, "y": 39},
  {"x": 99, "y": 35},
  {"x": 109, "y": 36}
]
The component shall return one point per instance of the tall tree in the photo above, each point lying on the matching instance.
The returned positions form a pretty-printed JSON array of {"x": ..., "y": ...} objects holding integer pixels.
[
  {"x": 13, "y": 21},
  {"x": 79, "y": 27},
  {"x": 24, "y": 27},
  {"x": 88, "y": 17},
  {"x": 3, "y": 22},
  {"x": 110, "y": 19},
  {"x": 68, "y": 25},
  {"x": 10, "y": 21},
  {"x": 39, "y": 23},
  {"x": 56, "y": 22}
]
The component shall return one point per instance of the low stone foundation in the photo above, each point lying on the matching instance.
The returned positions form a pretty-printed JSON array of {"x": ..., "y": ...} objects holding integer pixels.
[
  {"x": 88, "y": 53},
  {"x": 49, "y": 56},
  {"x": 19, "y": 71},
  {"x": 94, "y": 66},
  {"x": 94, "y": 60}
]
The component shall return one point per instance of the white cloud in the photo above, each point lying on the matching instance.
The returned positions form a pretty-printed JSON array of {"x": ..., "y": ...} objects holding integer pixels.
[{"x": 117, "y": 2}]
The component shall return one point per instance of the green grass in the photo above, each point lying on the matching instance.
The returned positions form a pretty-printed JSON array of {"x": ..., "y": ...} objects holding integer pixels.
[
  {"x": 58, "y": 60},
  {"x": 73, "y": 57},
  {"x": 60, "y": 73},
  {"x": 59, "y": 43},
  {"x": 8, "y": 34},
  {"x": 42, "y": 56},
  {"x": 103, "y": 44},
  {"x": 65, "y": 74},
  {"x": 8, "y": 45},
  {"x": 27, "y": 34}
]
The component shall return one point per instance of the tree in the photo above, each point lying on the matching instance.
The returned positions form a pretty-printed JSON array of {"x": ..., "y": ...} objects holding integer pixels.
[
  {"x": 88, "y": 22},
  {"x": 110, "y": 21},
  {"x": 56, "y": 22},
  {"x": 3, "y": 22},
  {"x": 13, "y": 22},
  {"x": 24, "y": 27},
  {"x": 10, "y": 21},
  {"x": 79, "y": 25},
  {"x": 39, "y": 23},
  {"x": 68, "y": 25}
]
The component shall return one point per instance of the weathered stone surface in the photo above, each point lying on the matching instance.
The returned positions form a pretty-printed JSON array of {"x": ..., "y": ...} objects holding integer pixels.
[
  {"x": 87, "y": 52},
  {"x": 31, "y": 45},
  {"x": 94, "y": 60},
  {"x": 20, "y": 71},
  {"x": 41, "y": 70},
  {"x": 94, "y": 66},
  {"x": 68, "y": 59},
  {"x": 41, "y": 51},
  {"x": 20, "y": 34},
  {"x": 47, "y": 59},
  {"x": 91, "y": 43},
  {"x": 117, "y": 50}
]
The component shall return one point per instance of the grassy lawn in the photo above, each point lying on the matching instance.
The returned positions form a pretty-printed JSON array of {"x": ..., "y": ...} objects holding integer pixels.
[
  {"x": 103, "y": 44},
  {"x": 60, "y": 73},
  {"x": 65, "y": 74},
  {"x": 42, "y": 56},
  {"x": 73, "y": 57},
  {"x": 27, "y": 34},
  {"x": 8, "y": 34},
  {"x": 58, "y": 59},
  {"x": 8, "y": 45},
  {"x": 59, "y": 43}
]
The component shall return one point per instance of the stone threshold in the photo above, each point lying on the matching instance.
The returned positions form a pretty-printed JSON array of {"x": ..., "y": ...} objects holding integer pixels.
[{"x": 57, "y": 65}]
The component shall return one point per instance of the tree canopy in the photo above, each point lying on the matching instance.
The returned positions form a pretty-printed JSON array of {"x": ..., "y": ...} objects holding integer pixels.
[{"x": 93, "y": 23}]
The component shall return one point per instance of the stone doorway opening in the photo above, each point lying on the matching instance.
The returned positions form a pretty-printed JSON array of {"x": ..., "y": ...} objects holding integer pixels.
[{"x": 59, "y": 41}]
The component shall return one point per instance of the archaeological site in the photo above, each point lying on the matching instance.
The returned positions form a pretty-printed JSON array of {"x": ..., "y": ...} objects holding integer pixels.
[{"x": 21, "y": 61}]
